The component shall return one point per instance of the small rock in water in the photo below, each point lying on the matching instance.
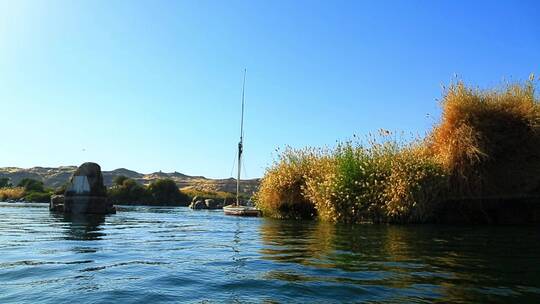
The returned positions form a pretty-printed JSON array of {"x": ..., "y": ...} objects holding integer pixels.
[
  {"x": 57, "y": 203},
  {"x": 199, "y": 205},
  {"x": 210, "y": 203}
]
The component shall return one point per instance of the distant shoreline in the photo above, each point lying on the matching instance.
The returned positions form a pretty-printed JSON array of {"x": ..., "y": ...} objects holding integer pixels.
[{"x": 54, "y": 177}]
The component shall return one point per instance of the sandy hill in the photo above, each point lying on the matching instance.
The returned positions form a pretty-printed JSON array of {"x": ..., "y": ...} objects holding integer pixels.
[{"x": 55, "y": 177}]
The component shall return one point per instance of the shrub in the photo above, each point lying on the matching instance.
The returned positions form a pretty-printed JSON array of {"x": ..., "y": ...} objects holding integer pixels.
[
  {"x": 128, "y": 191},
  {"x": 11, "y": 193},
  {"x": 165, "y": 191},
  {"x": 160, "y": 192},
  {"x": 30, "y": 184},
  {"x": 280, "y": 194},
  {"x": 217, "y": 195},
  {"x": 119, "y": 180},
  {"x": 5, "y": 182},
  {"x": 38, "y": 197},
  {"x": 386, "y": 181},
  {"x": 351, "y": 188},
  {"x": 487, "y": 145},
  {"x": 489, "y": 141},
  {"x": 415, "y": 186}
]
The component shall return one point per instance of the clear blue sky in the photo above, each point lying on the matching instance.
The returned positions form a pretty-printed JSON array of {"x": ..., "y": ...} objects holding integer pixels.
[{"x": 156, "y": 85}]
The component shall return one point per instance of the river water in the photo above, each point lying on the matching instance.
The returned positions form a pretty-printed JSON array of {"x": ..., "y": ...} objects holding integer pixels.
[{"x": 174, "y": 254}]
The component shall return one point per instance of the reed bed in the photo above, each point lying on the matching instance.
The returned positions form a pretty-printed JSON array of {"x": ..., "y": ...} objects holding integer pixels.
[
  {"x": 489, "y": 140},
  {"x": 11, "y": 193},
  {"x": 484, "y": 138},
  {"x": 382, "y": 182},
  {"x": 281, "y": 193}
]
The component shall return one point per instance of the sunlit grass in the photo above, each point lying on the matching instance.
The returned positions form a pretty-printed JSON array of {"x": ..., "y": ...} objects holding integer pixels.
[
  {"x": 380, "y": 182},
  {"x": 281, "y": 193},
  {"x": 484, "y": 139},
  {"x": 489, "y": 141},
  {"x": 11, "y": 193},
  {"x": 383, "y": 181}
]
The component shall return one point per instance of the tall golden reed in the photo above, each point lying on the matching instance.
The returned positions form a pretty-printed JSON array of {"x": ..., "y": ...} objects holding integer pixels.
[
  {"x": 486, "y": 144},
  {"x": 11, "y": 193},
  {"x": 489, "y": 141}
]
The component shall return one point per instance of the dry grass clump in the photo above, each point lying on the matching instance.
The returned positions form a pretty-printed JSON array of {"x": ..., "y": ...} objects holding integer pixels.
[
  {"x": 350, "y": 187},
  {"x": 487, "y": 145},
  {"x": 414, "y": 187},
  {"x": 489, "y": 141},
  {"x": 11, "y": 193},
  {"x": 281, "y": 192},
  {"x": 383, "y": 182}
]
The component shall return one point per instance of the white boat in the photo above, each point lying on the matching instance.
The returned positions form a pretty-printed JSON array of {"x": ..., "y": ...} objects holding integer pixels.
[
  {"x": 236, "y": 208},
  {"x": 241, "y": 210}
]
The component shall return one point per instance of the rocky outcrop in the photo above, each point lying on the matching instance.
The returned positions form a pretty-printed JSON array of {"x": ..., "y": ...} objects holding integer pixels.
[
  {"x": 85, "y": 193},
  {"x": 198, "y": 203},
  {"x": 87, "y": 180},
  {"x": 57, "y": 203},
  {"x": 210, "y": 203}
]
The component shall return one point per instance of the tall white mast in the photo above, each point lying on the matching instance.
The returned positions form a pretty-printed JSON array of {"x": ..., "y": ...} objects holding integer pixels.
[{"x": 240, "y": 144}]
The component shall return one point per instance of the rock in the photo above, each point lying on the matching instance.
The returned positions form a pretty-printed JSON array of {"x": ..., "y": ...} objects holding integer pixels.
[
  {"x": 86, "y": 193},
  {"x": 199, "y": 205},
  {"x": 205, "y": 204},
  {"x": 87, "y": 180},
  {"x": 210, "y": 203},
  {"x": 57, "y": 203}
]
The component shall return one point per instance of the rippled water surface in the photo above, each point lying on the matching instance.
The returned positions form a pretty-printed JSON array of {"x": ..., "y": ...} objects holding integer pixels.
[{"x": 163, "y": 255}]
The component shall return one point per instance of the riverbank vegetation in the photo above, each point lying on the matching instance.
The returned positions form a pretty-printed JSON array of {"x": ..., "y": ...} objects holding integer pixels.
[
  {"x": 11, "y": 193},
  {"x": 221, "y": 196},
  {"x": 27, "y": 189},
  {"x": 124, "y": 191},
  {"x": 162, "y": 192},
  {"x": 486, "y": 146}
]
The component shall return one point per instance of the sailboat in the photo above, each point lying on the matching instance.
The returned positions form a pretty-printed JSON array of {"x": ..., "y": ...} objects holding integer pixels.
[{"x": 236, "y": 208}]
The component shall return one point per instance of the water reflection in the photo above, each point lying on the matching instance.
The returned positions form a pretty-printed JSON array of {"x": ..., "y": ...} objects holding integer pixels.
[
  {"x": 188, "y": 256},
  {"x": 443, "y": 263},
  {"x": 351, "y": 247},
  {"x": 299, "y": 242},
  {"x": 83, "y": 227}
]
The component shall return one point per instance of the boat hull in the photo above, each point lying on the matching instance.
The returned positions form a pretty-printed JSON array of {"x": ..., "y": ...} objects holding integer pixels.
[{"x": 241, "y": 211}]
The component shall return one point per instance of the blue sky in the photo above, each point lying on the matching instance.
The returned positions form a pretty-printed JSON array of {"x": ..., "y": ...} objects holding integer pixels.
[{"x": 156, "y": 85}]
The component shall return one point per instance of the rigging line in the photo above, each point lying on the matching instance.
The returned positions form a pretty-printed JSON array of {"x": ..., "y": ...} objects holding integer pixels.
[
  {"x": 244, "y": 167},
  {"x": 243, "y": 157},
  {"x": 242, "y": 131},
  {"x": 242, "y": 116},
  {"x": 234, "y": 163}
]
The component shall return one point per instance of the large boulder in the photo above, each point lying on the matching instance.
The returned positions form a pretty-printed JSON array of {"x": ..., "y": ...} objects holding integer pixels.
[
  {"x": 57, "y": 203},
  {"x": 86, "y": 192},
  {"x": 87, "y": 180},
  {"x": 198, "y": 205},
  {"x": 210, "y": 203}
]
